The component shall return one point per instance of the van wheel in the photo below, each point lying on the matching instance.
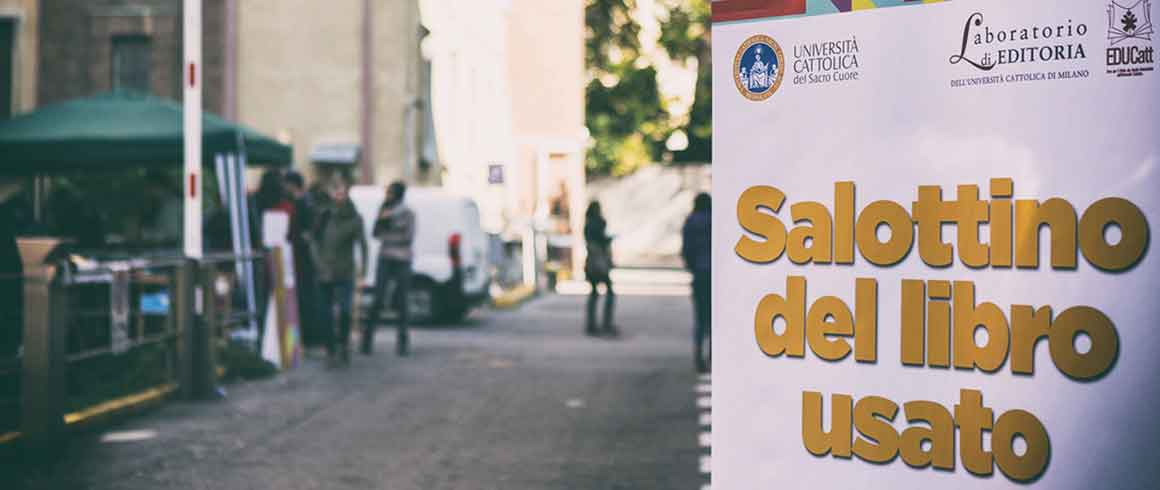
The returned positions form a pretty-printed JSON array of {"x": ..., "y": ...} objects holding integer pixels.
[{"x": 454, "y": 314}]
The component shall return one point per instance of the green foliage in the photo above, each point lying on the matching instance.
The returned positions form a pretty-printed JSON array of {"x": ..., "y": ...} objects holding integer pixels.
[
  {"x": 610, "y": 29},
  {"x": 625, "y": 115},
  {"x": 687, "y": 34},
  {"x": 241, "y": 363}
]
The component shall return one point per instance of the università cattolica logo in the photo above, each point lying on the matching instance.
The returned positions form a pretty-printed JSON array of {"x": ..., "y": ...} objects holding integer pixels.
[{"x": 758, "y": 67}]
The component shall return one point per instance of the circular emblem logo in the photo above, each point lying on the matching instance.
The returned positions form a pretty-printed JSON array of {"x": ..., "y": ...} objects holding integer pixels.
[{"x": 758, "y": 67}]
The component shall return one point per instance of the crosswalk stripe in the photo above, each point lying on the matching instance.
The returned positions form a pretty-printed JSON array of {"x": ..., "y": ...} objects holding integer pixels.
[{"x": 704, "y": 391}]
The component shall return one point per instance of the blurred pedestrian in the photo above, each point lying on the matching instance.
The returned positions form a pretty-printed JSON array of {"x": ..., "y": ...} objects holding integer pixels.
[
  {"x": 338, "y": 230},
  {"x": 696, "y": 239},
  {"x": 598, "y": 269},
  {"x": 310, "y": 318},
  {"x": 11, "y": 271},
  {"x": 395, "y": 230}
]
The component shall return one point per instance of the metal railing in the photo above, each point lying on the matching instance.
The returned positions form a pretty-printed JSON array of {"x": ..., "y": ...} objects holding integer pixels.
[
  {"x": 122, "y": 332},
  {"x": 97, "y": 338}
]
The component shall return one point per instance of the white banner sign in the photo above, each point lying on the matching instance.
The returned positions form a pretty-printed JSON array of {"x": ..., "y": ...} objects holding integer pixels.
[{"x": 931, "y": 254}]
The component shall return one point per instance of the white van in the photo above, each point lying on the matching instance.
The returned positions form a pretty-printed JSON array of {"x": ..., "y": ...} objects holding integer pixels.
[{"x": 451, "y": 274}]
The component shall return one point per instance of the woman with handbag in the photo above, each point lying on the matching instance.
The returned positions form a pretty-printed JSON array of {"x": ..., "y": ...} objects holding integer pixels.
[{"x": 597, "y": 268}]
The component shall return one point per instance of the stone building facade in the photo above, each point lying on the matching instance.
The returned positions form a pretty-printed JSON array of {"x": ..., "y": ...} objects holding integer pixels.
[
  {"x": 312, "y": 73},
  {"x": 93, "y": 46}
]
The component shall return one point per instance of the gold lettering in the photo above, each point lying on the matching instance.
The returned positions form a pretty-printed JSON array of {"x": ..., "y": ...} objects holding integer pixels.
[
  {"x": 971, "y": 212},
  {"x": 866, "y": 320},
  {"x": 872, "y": 416},
  {"x": 913, "y": 333},
  {"x": 1133, "y": 234},
  {"x": 750, "y": 217},
  {"x": 818, "y": 326},
  {"x": 941, "y": 435},
  {"x": 968, "y": 316},
  {"x": 1028, "y": 326},
  {"x": 1001, "y": 192},
  {"x": 901, "y": 233},
  {"x": 1034, "y": 461},
  {"x": 930, "y": 212},
  {"x": 791, "y": 309},
  {"x": 818, "y": 234},
  {"x": 844, "y": 222},
  {"x": 1105, "y": 343},
  {"x": 1059, "y": 216},
  {"x": 819, "y": 442},
  {"x": 973, "y": 418}
]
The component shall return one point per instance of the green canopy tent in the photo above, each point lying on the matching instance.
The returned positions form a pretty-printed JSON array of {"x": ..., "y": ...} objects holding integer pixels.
[{"x": 120, "y": 130}]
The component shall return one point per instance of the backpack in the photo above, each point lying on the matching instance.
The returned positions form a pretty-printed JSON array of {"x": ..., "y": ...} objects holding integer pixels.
[{"x": 599, "y": 262}]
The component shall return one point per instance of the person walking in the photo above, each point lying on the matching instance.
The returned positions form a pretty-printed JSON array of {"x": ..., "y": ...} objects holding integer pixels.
[
  {"x": 696, "y": 249},
  {"x": 338, "y": 230},
  {"x": 395, "y": 230},
  {"x": 597, "y": 269},
  {"x": 310, "y": 318}
]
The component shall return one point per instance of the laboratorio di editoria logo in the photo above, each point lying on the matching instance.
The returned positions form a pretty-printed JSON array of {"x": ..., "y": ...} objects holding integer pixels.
[
  {"x": 985, "y": 46},
  {"x": 1130, "y": 33},
  {"x": 758, "y": 67}
]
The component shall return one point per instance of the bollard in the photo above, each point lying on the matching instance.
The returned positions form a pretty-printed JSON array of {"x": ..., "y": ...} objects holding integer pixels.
[
  {"x": 195, "y": 318},
  {"x": 182, "y": 304},
  {"x": 45, "y": 338},
  {"x": 204, "y": 376}
]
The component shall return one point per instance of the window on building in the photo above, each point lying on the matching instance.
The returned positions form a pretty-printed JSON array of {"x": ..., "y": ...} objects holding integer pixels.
[
  {"x": 7, "y": 70},
  {"x": 131, "y": 63}
]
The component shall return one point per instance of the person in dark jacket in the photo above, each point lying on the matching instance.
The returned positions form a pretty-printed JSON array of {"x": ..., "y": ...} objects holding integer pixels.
[
  {"x": 305, "y": 280},
  {"x": 339, "y": 228},
  {"x": 597, "y": 269},
  {"x": 395, "y": 230},
  {"x": 696, "y": 239}
]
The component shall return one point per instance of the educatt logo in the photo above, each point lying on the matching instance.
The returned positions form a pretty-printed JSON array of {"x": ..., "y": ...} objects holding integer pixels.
[
  {"x": 1129, "y": 52},
  {"x": 985, "y": 46}
]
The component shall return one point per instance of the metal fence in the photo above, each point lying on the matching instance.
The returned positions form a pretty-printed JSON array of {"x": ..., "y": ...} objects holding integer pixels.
[{"x": 99, "y": 337}]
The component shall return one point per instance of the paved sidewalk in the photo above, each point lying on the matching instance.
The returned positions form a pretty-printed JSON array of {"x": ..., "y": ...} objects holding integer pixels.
[{"x": 509, "y": 400}]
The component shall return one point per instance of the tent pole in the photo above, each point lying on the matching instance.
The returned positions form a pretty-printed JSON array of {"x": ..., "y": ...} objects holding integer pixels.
[
  {"x": 38, "y": 199},
  {"x": 244, "y": 213},
  {"x": 219, "y": 173},
  {"x": 226, "y": 177}
]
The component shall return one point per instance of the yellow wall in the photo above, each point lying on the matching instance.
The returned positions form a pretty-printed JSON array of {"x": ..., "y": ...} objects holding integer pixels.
[{"x": 300, "y": 74}]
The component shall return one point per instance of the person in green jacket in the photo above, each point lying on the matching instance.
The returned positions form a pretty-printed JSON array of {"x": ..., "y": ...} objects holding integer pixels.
[{"x": 337, "y": 231}]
